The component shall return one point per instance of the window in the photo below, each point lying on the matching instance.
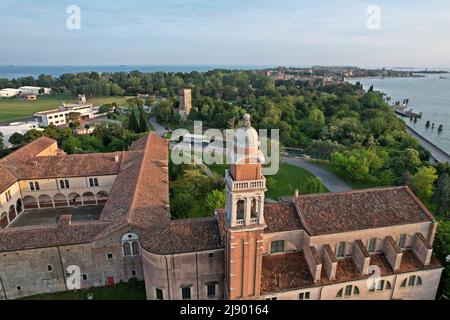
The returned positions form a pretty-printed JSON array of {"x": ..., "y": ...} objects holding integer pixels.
[
  {"x": 64, "y": 184},
  {"x": 133, "y": 273},
  {"x": 49, "y": 268},
  {"x": 211, "y": 255},
  {"x": 36, "y": 186},
  {"x": 372, "y": 247},
  {"x": 402, "y": 241},
  {"x": 254, "y": 209},
  {"x": 388, "y": 285},
  {"x": 109, "y": 256},
  {"x": 348, "y": 291},
  {"x": 8, "y": 195},
  {"x": 240, "y": 210},
  {"x": 159, "y": 294},
  {"x": 411, "y": 282},
  {"x": 277, "y": 246},
  {"x": 19, "y": 288},
  {"x": 304, "y": 296},
  {"x": 32, "y": 186},
  {"x": 93, "y": 182},
  {"x": 126, "y": 249},
  {"x": 380, "y": 285},
  {"x": 186, "y": 293},
  {"x": 85, "y": 277},
  {"x": 211, "y": 290},
  {"x": 340, "y": 250},
  {"x": 135, "y": 248}
]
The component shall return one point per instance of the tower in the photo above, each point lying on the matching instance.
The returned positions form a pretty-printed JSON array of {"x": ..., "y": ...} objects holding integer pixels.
[
  {"x": 185, "y": 103},
  {"x": 244, "y": 214}
]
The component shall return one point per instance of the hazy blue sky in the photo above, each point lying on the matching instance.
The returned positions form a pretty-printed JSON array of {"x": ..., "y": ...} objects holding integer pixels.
[{"x": 275, "y": 32}]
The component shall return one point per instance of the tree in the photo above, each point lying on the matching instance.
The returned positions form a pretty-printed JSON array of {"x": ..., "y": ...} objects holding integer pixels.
[
  {"x": 215, "y": 200},
  {"x": 74, "y": 119},
  {"x": 133, "y": 123},
  {"x": 323, "y": 150},
  {"x": 441, "y": 196},
  {"x": 182, "y": 205},
  {"x": 17, "y": 139},
  {"x": 423, "y": 181},
  {"x": 143, "y": 120},
  {"x": 32, "y": 135},
  {"x": 71, "y": 145},
  {"x": 314, "y": 185}
]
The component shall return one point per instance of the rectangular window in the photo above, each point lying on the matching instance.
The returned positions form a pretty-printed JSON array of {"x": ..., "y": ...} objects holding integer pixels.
[
  {"x": 372, "y": 247},
  {"x": 348, "y": 290},
  {"x": 402, "y": 241},
  {"x": 211, "y": 290},
  {"x": 61, "y": 184},
  {"x": 277, "y": 246},
  {"x": 85, "y": 277},
  {"x": 109, "y": 256},
  {"x": 380, "y": 285},
  {"x": 304, "y": 296},
  {"x": 36, "y": 186},
  {"x": 186, "y": 293},
  {"x": 8, "y": 195},
  {"x": 49, "y": 268},
  {"x": 91, "y": 182},
  {"x": 412, "y": 281},
  {"x": 19, "y": 288},
  {"x": 66, "y": 182},
  {"x": 340, "y": 250},
  {"x": 96, "y": 182},
  {"x": 32, "y": 186},
  {"x": 159, "y": 294}
]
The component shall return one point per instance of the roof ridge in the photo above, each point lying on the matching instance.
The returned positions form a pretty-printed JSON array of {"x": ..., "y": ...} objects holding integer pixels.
[
  {"x": 352, "y": 191},
  {"x": 420, "y": 203}
]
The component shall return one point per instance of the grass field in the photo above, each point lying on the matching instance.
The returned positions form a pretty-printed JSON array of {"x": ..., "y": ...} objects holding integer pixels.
[
  {"x": 284, "y": 183},
  {"x": 12, "y": 109},
  {"x": 121, "y": 291}
]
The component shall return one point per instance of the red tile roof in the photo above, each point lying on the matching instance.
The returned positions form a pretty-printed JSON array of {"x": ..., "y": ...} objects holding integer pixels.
[
  {"x": 281, "y": 217},
  {"x": 7, "y": 179},
  {"x": 358, "y": 210},
  {"x": 183, "y": 236},
  {"x": 285, "y": 272}
]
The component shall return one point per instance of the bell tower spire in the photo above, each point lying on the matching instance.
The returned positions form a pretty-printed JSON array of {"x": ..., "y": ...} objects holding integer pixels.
[{"x": 244, "y": 213}]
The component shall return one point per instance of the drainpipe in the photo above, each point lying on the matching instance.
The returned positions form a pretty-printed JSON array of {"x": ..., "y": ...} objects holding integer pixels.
[
  {"x": 167, "y": 275},
  {"x": 3, "y": 289},
  {"x": 196, "y": 267},
  {"x": 62, "y": 268}
]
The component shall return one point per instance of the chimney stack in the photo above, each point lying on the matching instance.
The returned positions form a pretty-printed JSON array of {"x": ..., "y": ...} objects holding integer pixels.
[{"x": 296, "y": 193}]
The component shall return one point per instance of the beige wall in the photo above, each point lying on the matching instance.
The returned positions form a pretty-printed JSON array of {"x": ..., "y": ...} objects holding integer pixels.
[
  {"x": 171, "y": 273},
  {"x": 15, "y": 195}
]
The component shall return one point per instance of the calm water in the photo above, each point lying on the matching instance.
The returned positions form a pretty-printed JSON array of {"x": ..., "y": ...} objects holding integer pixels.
[
  {"x": 429, "y": 95},
  {"x": 11, "y": 72}
]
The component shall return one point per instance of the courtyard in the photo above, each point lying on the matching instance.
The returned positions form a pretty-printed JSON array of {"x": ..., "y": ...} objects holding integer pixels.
[{"x": 47, "y": 216}]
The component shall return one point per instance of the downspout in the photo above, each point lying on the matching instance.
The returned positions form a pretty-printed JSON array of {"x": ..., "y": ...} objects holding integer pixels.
[
  {"x": 62, "y": 268},
  {"x": 3, "y": 289},
  {"x": 167, "y": 274},
  {"x": 196, "y": 268}
]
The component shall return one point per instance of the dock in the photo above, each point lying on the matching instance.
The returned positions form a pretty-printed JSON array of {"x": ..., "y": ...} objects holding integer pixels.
[{"x": 437, "y": 153}]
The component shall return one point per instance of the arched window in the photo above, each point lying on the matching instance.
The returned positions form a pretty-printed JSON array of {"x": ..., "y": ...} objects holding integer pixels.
[
  {"x": 130, "y": 244},
  {"x": 388, "y": 285},
  {"x": 126, "y": 249},
  {"x": 135, "y": 248},
  {"x": 254, "y": 211},
  {"x": 412, "y": 281},
  {"x": 348, "y": 291},
  {"x": 240, "y": 210}
]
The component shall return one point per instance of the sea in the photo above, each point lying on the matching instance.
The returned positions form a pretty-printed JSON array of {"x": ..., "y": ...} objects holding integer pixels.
[{"x": 429, "y": 94}]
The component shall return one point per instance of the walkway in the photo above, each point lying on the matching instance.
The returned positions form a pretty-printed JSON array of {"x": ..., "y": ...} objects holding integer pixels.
[
  {"x": 333, "y": 183},
  {"x": 436, "y": 152},
  {"x": 159, "y": 129}
]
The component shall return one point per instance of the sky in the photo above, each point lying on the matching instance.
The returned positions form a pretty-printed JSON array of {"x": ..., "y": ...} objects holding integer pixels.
[{"x": 412, "y": 33}]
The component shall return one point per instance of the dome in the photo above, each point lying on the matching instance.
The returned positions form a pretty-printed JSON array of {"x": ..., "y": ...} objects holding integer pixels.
[{"x": 246, "y": 136}]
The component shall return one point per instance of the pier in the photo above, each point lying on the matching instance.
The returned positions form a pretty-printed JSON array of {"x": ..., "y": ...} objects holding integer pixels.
[{"x": 437, "y": 153}]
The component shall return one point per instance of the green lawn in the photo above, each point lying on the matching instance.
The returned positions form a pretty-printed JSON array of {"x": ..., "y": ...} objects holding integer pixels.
[
  {"x": 121, "y": 291},
  {"x": 13, "y": 109},
  {"x": 284, "y": 183}
]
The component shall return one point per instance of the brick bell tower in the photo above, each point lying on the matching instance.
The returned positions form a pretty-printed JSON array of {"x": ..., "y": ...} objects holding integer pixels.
[{"x": 244, "y": 214}]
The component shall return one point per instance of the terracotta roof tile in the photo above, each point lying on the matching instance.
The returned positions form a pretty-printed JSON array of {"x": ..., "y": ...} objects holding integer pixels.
[
  {"x": 285, "y": 272},
  {"x": 184, "y": 236},
  {"x": 281, "y": 217},
  {"x": 7, "y": 179},
  {"x": 358, "y": 210}
]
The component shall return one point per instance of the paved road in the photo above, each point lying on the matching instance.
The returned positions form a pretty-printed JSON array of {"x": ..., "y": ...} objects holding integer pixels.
[
  {"x": 333, "y": 183},
  {"x": 438, "y": 154},
  {"x": 160, "y": 130}
]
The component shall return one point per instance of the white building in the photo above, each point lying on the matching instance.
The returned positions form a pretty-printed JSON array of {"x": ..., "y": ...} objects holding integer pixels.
[
  {"x": 58, "y": 117},
  {"x": 34, "y": 90},
  {"x": 9, "y": 92},
  {"x": 19, "y": 127}
]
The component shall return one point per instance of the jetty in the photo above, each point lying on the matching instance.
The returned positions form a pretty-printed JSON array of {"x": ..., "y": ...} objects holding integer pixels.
[{"x": 438, "y": 154}]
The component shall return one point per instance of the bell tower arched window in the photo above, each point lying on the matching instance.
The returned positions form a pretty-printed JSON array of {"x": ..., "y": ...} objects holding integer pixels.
[
  {"x": 240, "y": 210},
  {"x": 254, "y": 209}
]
